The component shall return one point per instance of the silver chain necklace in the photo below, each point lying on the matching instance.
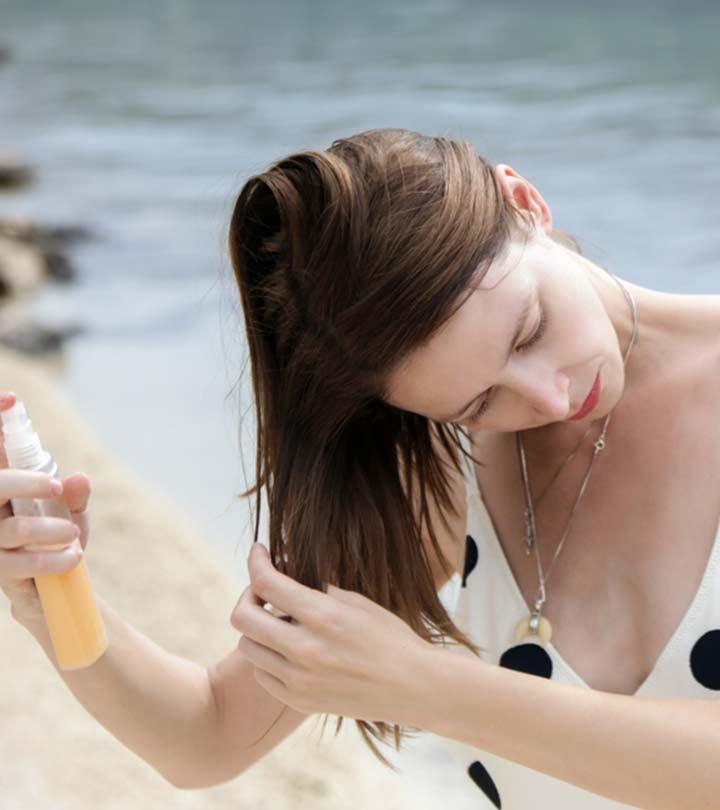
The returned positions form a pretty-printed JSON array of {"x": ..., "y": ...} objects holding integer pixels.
[{"x": 536, "y": 624}]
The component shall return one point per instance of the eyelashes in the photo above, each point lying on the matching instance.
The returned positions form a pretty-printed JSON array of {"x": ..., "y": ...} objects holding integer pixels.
[{"x": 539, "y": 332}]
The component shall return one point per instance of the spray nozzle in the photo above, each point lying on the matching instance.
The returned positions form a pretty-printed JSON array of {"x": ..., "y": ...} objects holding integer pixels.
[
  {"x": 14, "y": 418},
  {"x": 22, "y": 444}
]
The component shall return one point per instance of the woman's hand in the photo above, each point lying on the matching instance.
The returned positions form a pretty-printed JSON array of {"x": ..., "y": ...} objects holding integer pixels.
[
  {"x": 19, "y": 566},
  {"x": 336, "y": 652}
]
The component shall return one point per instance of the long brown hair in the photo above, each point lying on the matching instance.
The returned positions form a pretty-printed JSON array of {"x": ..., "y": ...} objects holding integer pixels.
[{"x": 346, "y": 261}]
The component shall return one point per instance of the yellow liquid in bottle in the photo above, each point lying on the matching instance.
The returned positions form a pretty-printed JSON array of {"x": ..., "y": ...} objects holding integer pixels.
[
  {"x": 71, "y": 613},
  {"x": 73, "y": 619}
]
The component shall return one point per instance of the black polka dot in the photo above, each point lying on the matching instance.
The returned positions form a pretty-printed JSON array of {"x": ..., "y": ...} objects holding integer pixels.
[
  {"x": 530, "y": 658},
  {"x": 471, "y": 558},
  {"x": 478, "y": 773},
  {"x": 705, "y": 660}
]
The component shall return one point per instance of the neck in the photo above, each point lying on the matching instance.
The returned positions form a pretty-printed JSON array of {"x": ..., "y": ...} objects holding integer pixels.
[{"x": 673, "y": 331}]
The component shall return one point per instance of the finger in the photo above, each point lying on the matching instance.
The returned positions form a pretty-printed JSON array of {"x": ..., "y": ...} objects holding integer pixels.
[
  {"x": 7, "y": 400},
  {"x": 82, "y": 521},
  {"x": 24, "y": 484},
  {"x": 75, "y": 495},
  {"x": 282, "y": 591},
  {"x": 30, "y": 531},
  {"x": 30, "y": 564},
  {"x": 27, "y": 484},
  {"x": 265, "y": 658},
  {"x": 76, "y": 492},
  {"x": 249, "y": 595},
  {"x": 257, "y": 623}
]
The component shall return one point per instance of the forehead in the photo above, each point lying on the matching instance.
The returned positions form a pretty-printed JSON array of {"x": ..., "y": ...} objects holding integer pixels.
[{"x": 463, "y": 355}]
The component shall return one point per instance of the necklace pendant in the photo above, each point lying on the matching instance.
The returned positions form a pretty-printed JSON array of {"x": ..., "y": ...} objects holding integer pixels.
[
  {"x": 534, "y": 627},
  {"x": 600, "y": 444}
]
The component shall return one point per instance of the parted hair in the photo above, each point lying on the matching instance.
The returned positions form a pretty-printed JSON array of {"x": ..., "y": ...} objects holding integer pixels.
[{"x": 347, "y": 260}]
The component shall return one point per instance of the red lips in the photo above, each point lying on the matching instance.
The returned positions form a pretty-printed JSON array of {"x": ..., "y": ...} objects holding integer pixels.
[{"x": 591, "y": 401}]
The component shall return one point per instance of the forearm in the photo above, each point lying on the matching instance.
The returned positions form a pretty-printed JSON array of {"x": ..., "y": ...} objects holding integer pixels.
[
  {"x": 157, "y": 704},
  {"x": 660, "y": 754}
]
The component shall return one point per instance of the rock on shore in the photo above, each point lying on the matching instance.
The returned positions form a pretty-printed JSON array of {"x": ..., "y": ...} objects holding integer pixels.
[
  {"x": 13, "y": 173},
  {"x": 30, "y": 256}
]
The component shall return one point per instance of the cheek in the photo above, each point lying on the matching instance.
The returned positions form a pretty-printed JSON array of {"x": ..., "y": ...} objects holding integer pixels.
[{"x": 582, "y": 333}]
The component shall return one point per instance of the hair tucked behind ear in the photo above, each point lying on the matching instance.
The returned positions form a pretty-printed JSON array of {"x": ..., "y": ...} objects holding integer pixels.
[{"x": 346, "y": 261}]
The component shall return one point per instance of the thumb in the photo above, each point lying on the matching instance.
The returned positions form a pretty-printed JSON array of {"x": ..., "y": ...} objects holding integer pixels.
[{"x": 76, "y": 492}]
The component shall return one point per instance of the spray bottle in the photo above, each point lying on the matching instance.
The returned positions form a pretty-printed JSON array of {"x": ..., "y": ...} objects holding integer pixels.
[{"x": 71, "y": 613}]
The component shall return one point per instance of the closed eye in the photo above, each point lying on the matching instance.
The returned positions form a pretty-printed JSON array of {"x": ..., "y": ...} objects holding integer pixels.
[{"x": 539, "y": 332}]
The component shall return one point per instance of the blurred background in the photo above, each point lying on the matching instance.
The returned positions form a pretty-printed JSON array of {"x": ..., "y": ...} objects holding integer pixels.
[
  {"x": 140, "y": 121},
  {"x": 127, "y": 128}
]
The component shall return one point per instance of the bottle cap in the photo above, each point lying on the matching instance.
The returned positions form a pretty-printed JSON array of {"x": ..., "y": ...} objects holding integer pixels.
[{"x": 22, "y": 444}]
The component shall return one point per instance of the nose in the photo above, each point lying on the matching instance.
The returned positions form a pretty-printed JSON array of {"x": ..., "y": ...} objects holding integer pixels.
[{"x": 548, "y": 394}]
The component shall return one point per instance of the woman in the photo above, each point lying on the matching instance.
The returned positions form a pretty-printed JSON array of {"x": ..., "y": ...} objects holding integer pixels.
[{"x": 434, "y": 369}]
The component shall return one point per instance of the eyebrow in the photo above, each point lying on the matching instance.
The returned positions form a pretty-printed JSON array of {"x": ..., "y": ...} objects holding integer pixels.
[{"x": 522, "y": 317}]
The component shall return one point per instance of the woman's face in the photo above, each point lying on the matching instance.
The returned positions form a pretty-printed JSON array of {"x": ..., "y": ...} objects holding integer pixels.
[{"x": 565, "y": 312}]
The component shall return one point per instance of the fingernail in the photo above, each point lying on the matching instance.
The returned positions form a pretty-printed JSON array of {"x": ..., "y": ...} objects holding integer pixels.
[{"x": 56, "y": 487}]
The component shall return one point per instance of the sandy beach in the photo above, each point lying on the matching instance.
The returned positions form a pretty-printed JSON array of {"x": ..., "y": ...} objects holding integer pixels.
[{"x": 148, "y": 560}]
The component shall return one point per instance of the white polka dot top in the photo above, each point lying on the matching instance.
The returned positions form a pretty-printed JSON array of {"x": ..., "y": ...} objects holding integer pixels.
[{"x": 486, "y": 603}]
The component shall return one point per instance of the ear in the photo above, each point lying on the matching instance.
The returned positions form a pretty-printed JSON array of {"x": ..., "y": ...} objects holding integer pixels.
[{"x": 525, "y": 196}]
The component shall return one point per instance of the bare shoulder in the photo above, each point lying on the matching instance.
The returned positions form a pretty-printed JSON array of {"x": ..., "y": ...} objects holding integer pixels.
[{"x": 685, "y": 381}]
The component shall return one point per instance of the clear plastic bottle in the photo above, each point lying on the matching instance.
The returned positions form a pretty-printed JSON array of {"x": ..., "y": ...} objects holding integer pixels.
[{"x": 68, "y": 602}]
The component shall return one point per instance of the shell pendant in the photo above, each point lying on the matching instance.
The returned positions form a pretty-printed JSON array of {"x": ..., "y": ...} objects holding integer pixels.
[{"x": 537, "y": 627}]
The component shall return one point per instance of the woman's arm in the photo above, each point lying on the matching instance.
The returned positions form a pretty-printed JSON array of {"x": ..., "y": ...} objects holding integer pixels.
[
  {"x": 251, "y": 721},
  {"x": 196, "y": 727},
  {"x": 662, "y": 754},
  {"x": 159, "y": 705}
]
